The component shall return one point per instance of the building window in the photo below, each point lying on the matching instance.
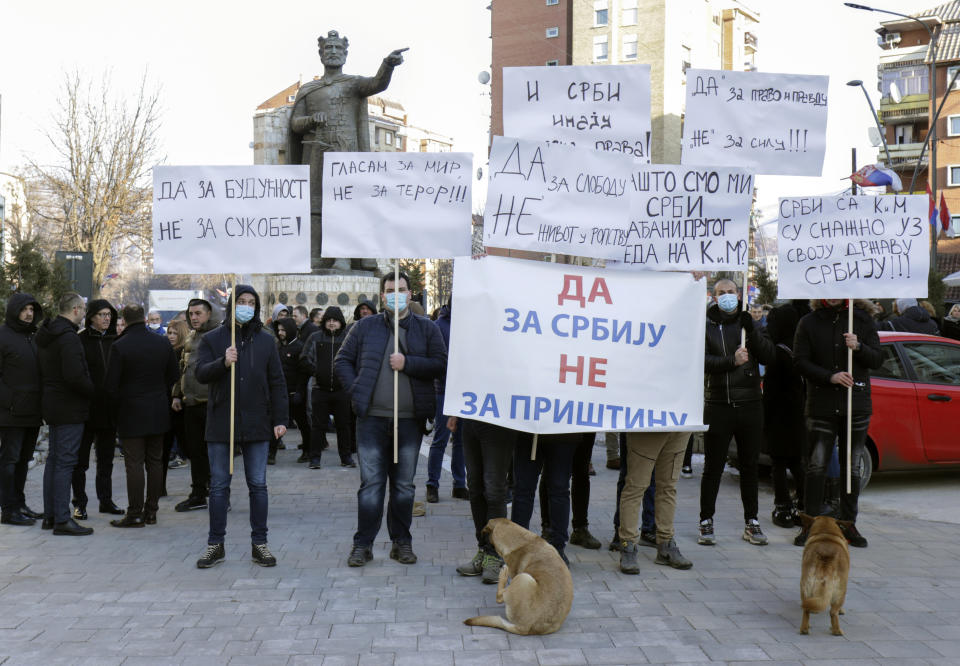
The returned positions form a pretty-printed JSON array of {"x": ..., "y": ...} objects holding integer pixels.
[
  {"x": 954, "y": 223},
  {"x": 552, "y": 2},
  {"x": 398, "y": 142},
  {"x": 553, "y": 63},
  {"x": 953, "y": 125},
  {"x": 629, "y": 14},
  {"x": 387, "y": 137},
  {"x": 291, "y": 99},
  {"x": 953, "y": 175},
  {"x": 552, "y": 32},
  {"x": 600, "y": 17},
  {"x": 601, "y": 49},
  {"x": 629, "y": 47},
  {"x": 950, "y": 72}
]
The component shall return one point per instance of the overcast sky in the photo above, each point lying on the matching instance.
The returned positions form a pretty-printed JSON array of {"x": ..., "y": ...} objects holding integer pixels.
[{"x": 215, "y": 61}]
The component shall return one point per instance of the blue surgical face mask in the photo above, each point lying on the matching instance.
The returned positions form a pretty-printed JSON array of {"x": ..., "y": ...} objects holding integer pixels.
[
  {"x": 728, "y": 302},
  {"x": 243, "y": 313},
  {"x": 397, "y": 301}
]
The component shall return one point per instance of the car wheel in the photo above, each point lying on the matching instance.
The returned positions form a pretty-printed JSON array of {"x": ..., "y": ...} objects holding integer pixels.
[{"x": 865, "y": 465}]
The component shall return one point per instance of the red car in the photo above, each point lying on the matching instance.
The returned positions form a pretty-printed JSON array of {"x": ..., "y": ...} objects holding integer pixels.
[{"x": 916, "y": 404}]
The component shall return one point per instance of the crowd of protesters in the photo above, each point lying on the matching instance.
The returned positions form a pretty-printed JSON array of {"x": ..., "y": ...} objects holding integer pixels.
[{"x": 775, "y": 378}]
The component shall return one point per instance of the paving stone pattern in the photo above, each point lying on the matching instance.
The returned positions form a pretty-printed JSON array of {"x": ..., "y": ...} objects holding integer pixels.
[{"x": 135, "y": 596}]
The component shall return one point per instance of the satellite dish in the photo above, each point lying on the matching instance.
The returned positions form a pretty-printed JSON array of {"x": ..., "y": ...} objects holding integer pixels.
[
  {"x": 479, "y": 173},
  {"x": 895, "y": 92},
  {"x": 484, "y": 77},
  {"x": 874, "y": 135}
]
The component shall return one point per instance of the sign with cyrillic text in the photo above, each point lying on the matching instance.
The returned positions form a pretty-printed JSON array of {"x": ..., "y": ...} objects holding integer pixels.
[
  {"x": 601, "y": 107},
  {"x": 231, "y": 219},
  {"x": 554, "y": 348},
  {"x": 387, "y": 205},
  {"x": 771, "y": 123},
  {"x": 556, "y": 198},
  {"x": 853, "y": 247},
  {"x": 689, "y": 218}
]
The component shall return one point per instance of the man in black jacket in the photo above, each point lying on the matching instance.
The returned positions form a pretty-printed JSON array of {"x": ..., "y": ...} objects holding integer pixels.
[
  {"x": 260, "y": 396},
  {"x": 143, "y": 367},
  {"x": 97, "y": 337},
  {"x": 290, "y": 349},
  {"x": 19, "y": 405},
  {"x": 328, "y": 395},
  {"x": 911, "y": 318},
  {"x": 733, "y": 407},
  {"x": 820, "y": 352},
  {"x": 305, "y": 327},
  {"x": 67, "y": 392}
]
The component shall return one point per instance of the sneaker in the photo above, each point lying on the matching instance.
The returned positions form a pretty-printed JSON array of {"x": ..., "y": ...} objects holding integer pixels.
[
  {"x": 262, "y": 555},
  {"x": 191, "y": 504},
  {"x": 79, "y": 513},
  {"x": 801, "y": 538},
  {"x": 271, "y": 458},
  {"x": 783, "y": 515},
  {"x": 753, "y": 533},
  {"x": 474, "y": 567},
  {"x": 433, "y": 495},
  {"x": 686, "y": 472},
  {"x": 648, "y": 539},
  {"x": 403, "y": 553},
  {"x": 348, "y": 463},
  {"x": 177, "y": 463},
  {"x": 303, "y": 458},
  {"x": 492, "y": 564},
  {"x": 214, "y": 554},
  {"x": 314, "y": 464},
  {"x": 419, "y": 509},
  {"x": 359, "y": 555},
  {"x": 613, "y": 463},
  {"x": 629, "y": 561},
  {"x": 853, "y": 536},
  {"x": 460, "y": 493},
  {"x": 669, "y": 554},
  {"x": 706, "y": 537},
  {"x": 581, "y": 537}
]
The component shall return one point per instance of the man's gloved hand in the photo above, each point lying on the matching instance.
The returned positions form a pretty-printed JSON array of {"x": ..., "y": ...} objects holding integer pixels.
[{"x": 746, "y": 321}]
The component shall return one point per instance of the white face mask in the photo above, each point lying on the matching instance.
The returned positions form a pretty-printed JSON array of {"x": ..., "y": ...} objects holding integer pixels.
[{"x": 153, "y": 327}]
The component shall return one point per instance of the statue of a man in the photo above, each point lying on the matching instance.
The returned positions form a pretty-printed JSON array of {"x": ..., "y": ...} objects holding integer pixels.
[{"x": 330, "y": 114}]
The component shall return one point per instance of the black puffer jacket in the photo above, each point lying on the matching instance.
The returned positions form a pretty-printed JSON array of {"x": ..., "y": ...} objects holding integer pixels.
[
  {"x": 97, "y": 347},
  {"x": 321, "y": 349},
  {"x": 67, "y": 387},
  {"x": 725, "y": 381},
  {"x": 820, "y": 352},
  {"x": 290, "y": 349},
  {"x": 914, "y": 320},
  {"x": 19, "y": 365}
]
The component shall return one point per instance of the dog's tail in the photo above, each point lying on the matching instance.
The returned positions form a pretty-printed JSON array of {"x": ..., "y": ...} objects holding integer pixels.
[
  {"x": 813, "y": 588},
  {"x": 494, "y": 621}
]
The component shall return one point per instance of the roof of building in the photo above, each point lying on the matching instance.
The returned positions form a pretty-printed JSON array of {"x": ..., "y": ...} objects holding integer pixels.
[{"x": 948, "y": 11}]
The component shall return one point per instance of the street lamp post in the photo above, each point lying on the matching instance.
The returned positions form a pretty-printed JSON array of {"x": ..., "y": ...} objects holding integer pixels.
[
  {"x": 854, "y": 84},
  {"x": 932, "y": 132}
]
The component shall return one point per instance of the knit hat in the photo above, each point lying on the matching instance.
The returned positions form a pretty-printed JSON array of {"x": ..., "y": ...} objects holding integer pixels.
[{"x": 904, "y": 303}]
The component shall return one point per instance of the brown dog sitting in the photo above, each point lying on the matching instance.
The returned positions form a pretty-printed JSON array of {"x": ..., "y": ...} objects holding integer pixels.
[
  {"x": 824, "y": 571},
  {"x": 541, "y": 590}
]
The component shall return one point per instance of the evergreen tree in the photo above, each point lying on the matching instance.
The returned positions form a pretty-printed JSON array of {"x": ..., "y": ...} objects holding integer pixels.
[
  {"x": 766, "y": 287},
  {"x": 28, "y": 271}
]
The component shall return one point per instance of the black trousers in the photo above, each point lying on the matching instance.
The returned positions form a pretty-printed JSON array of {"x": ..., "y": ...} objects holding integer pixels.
[
  {"x": 298, "y": 412},
  {"x": 105, "y": 441},
  {"x": 176, "y": 433},
  {"x": 821, "y": 435},
  {"x": 195, "y": 448},
  {"x": 745, "y": 422},
  {"x": 326, "y": 403},
  {"x": 488, "y": 456},
  {"x": 140, "y": 453},
  {"x": 579, "y": 485},
  {"x": 554, "y": 460},
  {"x": 16, "y": 450},
  {"x": 781, "y": 486}
]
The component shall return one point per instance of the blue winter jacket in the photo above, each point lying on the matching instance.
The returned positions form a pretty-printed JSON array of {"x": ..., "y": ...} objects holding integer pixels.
[{"x": 360, "y": 358}]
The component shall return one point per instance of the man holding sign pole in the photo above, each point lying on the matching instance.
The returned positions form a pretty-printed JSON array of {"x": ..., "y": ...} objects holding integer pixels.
[
  {"x": 261, "y": 412},
  {"x": 820, "y": 350},
  {"x": 365, "y": 365}
]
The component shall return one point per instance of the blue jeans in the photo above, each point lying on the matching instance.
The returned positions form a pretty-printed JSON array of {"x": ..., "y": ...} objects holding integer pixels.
[
  {"x": 555, "y": 460},
  {"x": 375, "y": 455},
  {"x": 440, "y": 438},
  {"x": 255, "y": 470},
  {"x": 58, "y": 472}
]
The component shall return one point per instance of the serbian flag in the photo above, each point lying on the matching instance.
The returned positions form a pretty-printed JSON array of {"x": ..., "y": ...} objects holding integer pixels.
[
  {"x": 944, "y": 213},
  {"x": 875, "y": 175},
  {"x": 932, "y": 209}
]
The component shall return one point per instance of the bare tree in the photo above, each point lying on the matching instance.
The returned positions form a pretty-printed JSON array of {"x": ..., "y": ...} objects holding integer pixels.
[{"x": 98, "y": 195}]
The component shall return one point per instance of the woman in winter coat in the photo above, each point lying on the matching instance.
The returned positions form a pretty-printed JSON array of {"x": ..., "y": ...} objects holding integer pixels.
[{"x": 177, "y": 332}]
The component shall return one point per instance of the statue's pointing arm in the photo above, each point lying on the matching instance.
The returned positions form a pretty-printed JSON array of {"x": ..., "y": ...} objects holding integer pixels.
[{"x": 373, "y": 85}]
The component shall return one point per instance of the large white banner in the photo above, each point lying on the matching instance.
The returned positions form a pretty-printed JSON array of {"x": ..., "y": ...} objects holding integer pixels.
[
  {"x": 553, "y": 348},
  {"x": 853, "y": 247},
  {"x": 388, "y": 205},
  {"x": 771, "y": 123},
  {"x": 557, "y": 199},
  {"x": 689, "y": 218},
  {"x": 601, "y": 107},
  {"x": 231, "y": 219}
]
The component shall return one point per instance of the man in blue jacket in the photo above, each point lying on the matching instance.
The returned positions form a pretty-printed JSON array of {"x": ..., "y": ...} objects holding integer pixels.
[
  {"x": 260, "y": 413},
  {"x": 365, "y": 366}
]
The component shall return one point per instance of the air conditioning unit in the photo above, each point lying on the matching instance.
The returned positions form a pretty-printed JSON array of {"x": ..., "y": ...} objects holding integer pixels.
[{"x": 892, "y": 38}]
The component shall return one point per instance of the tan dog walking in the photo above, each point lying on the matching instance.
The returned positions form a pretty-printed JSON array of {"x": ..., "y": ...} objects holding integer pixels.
[
  {"x": 824, "y": 570},
  {"x": 540, "y": 593}
]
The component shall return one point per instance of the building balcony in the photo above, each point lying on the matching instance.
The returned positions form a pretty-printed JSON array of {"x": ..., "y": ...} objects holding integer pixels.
[
  {"x": 903, "y": 155},
  {"x": 750, "y": 39},
  {"x": 910, "y": 109}
]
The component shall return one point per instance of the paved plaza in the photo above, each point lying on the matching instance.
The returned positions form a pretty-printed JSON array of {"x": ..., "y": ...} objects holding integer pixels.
[{"x": 134, "y": 596}]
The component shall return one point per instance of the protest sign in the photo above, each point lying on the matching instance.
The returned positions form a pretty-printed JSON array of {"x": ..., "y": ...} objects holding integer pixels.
[
  {"x": 556, "y": 199},
  {"x": 575, "y": 349},
  {"x": 688, "y": 218},
  {"x": 771, "y": 123},
  {"x": 231, "y": 219},
  {"x": 853, "y": 247},
  {"x": 388, "y": 205},
  {"x": 601, "y": 107}
]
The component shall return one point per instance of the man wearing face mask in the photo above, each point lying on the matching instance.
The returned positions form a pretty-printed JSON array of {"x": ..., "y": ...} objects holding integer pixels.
[
  {"x": 328, "y": 396},
  {"x": 365, "y": 365},
  {"x": 155, "y": 323},
  {"x": 733, "y": 407},
  {"x": 260, "y": 398}
]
